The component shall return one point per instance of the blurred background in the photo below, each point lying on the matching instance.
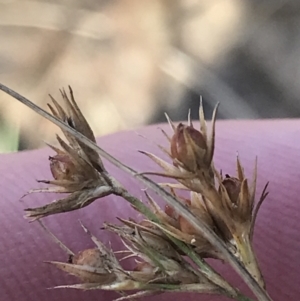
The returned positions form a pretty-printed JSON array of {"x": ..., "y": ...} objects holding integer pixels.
[{"x": 129, "y": 61}]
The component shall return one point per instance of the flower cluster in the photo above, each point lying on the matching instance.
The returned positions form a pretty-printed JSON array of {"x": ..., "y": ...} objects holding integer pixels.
[
  {"x": 76, "y": 168},
  {"x": 225, "y": 204},
  {"x": 159, "y": 268},
  {"x": 165, "y": 238}
]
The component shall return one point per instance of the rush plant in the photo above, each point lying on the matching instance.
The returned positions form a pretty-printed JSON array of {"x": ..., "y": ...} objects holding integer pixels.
[{"x": 170, "y": 243}]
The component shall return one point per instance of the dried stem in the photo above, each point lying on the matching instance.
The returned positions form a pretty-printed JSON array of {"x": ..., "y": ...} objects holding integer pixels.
[{"x": 200, "y": 226}]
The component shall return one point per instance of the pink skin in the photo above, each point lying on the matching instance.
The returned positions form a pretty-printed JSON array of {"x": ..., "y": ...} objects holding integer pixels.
[{"x": 24, "y": 246}]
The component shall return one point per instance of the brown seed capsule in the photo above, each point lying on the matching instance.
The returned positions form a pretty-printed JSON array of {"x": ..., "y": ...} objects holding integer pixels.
[
  {"x": 62, "y": 167},
  {"x": 188, "y": 147},
  {"x": 94, "y": 259},
  {"x": 90, "y": 257},
  {"x": 233, "y": 188}
]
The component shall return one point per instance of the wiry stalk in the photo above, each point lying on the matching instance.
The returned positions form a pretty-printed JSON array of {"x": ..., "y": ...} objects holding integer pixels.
[{"x": 169, "y": 198}]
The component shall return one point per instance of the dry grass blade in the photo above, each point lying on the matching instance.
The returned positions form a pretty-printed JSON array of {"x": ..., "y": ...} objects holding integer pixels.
[
  {"x": 263, "y": 196},
  {"x": 57, "y": 241}
]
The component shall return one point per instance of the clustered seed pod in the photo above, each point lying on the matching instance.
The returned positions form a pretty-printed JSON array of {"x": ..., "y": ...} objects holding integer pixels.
[
  {"x": 76, "y": 169},
  {"x": 224, "y": 205},
  {"x": 62, "y": 167},
  {"x": 188, "y": 148},
  {"x": 96, "y": 267},
  {"x": 227, "y": 207},
  {"x": 161, "y": 262},
  {"x": 91, "y": 258}
]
